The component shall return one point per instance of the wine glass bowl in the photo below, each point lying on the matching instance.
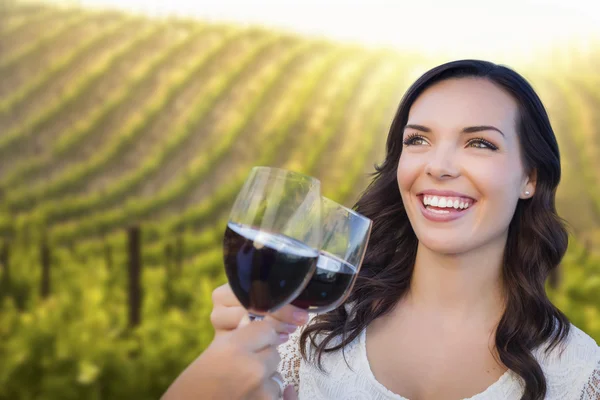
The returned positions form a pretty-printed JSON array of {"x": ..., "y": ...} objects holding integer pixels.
[
  {"x": 273, "y": 237},
  {"x": 345, "y": 237}
]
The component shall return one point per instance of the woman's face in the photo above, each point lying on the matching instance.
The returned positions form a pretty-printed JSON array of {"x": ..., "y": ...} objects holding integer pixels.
[{"x": 460, "y": 173}]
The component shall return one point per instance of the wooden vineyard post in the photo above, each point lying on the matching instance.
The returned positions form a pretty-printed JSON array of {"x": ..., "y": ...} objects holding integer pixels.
[
  {"x": 169, "y": 267},
  {"x": 45, "y": 259},
  {"x": 134, "y": 274},
  {"x": 5, "y": 260}
]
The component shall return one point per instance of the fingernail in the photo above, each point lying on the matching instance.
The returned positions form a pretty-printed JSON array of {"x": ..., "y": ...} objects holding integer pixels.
[
  {"x": 283, "y": 337},
  {"x": 300, "y": 316},
  {"x": 291, "y": 328}
]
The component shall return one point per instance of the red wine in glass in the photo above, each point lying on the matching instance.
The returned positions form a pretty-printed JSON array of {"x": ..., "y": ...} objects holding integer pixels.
[
  {"x": 328, "y": 285},
  {"x": 345, "y": 237},
  {"x": 272, "y": 240},
  {"x": 264, "y": 269}
]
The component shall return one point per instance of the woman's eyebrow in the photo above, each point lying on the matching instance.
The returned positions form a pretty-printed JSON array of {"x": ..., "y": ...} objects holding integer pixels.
[
  {"x": 473, "y": 129},
  {"x": 469, "y": 129},
  {"x": 418, "y": 127}
]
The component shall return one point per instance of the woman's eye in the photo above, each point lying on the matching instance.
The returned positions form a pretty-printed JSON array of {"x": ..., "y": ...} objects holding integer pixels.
[
  {"x": 415, "y": 140},
  {"x": 481, "y": 144}
]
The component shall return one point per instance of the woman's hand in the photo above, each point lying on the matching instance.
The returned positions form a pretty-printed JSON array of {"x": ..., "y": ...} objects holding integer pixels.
[
  {"x": 238, "y": 365},
  {"x": 241, "y": 362},
  {"x": 228, "y": 313}
]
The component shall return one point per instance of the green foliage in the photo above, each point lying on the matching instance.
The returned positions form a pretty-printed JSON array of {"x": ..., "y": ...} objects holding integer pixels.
[
  {"x": 31, "y": 88},
  {"x": 35, "y": 123},
  {"x": 31, "y": 48},
  {"x": 76, "y": 344}
]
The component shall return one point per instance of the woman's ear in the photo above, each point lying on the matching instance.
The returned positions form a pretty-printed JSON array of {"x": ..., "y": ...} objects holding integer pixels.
[{"x": 529, "y": 184}]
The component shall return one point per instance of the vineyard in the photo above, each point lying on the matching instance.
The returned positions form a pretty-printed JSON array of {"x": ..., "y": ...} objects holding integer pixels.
[{"x": 123, "y": 142}]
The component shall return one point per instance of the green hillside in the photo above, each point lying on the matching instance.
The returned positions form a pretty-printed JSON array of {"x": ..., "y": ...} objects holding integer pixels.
[{"x": 113, "y": 124}]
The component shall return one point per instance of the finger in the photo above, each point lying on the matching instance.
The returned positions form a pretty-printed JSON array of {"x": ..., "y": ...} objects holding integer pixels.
[
  {"x": 290, "y": 393},
  {"x": 281, "y": 327},
  {"x": 223, "y": 296},
  {"x": 257, "y": 335},
  {"x": 291, "y": 315},
  {"x": 245, "y": 320},
  {"x": 227, "y": 318},
  {"x": 270, "y": 359}
]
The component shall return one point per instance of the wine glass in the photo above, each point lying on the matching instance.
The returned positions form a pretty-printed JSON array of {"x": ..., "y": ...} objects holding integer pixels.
[
  {"x": 272, "y": 240},
  {"x": 345, "y": 237}
]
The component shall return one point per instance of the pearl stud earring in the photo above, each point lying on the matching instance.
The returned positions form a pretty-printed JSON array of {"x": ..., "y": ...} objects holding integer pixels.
[{"x": 527, "y": 193}]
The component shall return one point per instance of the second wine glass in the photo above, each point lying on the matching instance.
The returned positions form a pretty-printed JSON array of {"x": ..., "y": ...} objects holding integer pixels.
[{"x": 345, "y": 237}]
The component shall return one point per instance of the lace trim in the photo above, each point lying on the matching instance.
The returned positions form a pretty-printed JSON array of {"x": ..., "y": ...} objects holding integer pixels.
[
  {"x": 591, "y": 391},
  {"x": 289, "y": 366}
]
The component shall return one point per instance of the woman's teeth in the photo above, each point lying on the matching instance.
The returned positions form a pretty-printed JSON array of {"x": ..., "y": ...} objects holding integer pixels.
[{"x": 446, "y": 202}]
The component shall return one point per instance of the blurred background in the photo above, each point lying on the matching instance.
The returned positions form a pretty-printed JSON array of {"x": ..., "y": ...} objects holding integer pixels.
[{"x": 127, "y": 127}]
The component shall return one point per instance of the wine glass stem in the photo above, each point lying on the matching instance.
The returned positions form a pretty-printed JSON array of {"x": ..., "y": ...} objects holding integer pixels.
[{"x": 254, "y": 317}]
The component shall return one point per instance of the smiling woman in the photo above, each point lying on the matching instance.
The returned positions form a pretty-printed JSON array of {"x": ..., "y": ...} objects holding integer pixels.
[{"x": 450, "y": 302}]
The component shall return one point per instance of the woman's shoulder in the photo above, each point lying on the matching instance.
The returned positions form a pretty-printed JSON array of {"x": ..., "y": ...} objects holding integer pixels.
[
  {"x": 572, "y": 363},
  {"x": 578, "y": 348},
  {"x": 583, "y": 347},
  {"x": 579, "y": 339}
]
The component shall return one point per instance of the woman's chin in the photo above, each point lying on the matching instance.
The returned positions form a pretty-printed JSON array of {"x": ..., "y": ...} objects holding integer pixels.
[{"x": 445, "y": 246}]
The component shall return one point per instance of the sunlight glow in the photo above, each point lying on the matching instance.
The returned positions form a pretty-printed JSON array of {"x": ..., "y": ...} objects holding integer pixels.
[{"x": 511, "y": 28}]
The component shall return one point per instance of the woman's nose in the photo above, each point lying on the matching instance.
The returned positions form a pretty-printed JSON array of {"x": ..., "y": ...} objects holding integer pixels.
[{"x": 442, "y": 164}]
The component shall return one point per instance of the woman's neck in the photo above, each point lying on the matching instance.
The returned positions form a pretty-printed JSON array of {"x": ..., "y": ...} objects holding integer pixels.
[{"x": 461, "y": 288}]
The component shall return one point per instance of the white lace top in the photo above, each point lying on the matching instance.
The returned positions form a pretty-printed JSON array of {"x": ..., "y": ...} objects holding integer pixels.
[{"x": 573, "y": 376}]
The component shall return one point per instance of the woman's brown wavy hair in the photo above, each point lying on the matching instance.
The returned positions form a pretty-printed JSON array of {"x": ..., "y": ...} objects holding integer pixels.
[{"x": 537, "y": 239}]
